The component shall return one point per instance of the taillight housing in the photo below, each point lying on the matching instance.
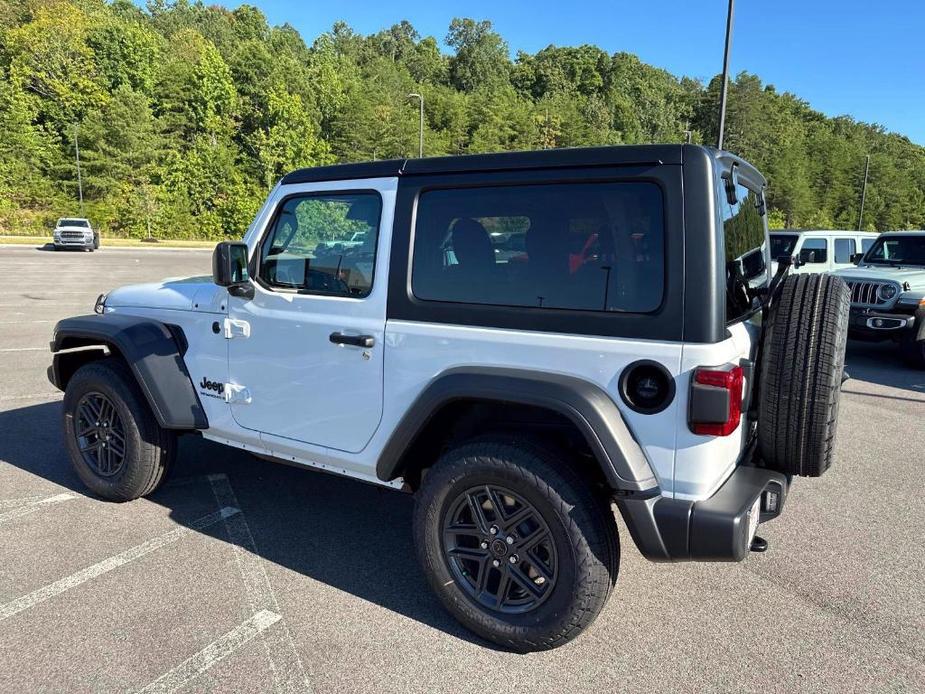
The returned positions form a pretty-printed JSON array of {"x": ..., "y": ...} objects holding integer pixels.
[{"x": 716, "y": 400}]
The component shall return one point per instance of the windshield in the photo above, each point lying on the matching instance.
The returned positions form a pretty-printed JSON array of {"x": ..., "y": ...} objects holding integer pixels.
[
  {"x": 73, "y": 223},
  {"x": 897, "y": 250},
  {"x": 783, "y": 245}
]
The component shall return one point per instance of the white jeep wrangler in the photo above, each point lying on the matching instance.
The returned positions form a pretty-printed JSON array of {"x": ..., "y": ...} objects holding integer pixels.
[{"x": 521, "y": 340}]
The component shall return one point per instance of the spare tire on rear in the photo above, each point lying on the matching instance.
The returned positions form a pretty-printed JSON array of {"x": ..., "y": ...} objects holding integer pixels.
[{"x": 802, "y": 363}]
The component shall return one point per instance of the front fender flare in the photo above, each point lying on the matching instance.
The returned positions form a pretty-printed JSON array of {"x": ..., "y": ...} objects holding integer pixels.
[
  {"x": 585, "y": 404},
  {"x": 153, "y": 351}
]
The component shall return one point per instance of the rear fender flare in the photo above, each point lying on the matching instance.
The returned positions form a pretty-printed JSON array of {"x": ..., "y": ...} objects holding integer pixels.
[{"x": 585, "y": 404}]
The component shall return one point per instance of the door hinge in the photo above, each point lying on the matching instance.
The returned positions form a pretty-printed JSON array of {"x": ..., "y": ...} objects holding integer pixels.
[
  {"x": 236, "y": 328},
  {"x": 235, "y": 393}
]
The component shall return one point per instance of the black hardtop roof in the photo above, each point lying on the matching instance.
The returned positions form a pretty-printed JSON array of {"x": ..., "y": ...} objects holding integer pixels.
[
  {"x": 620, "y": 155},
  {"x": 617, "y": 155}
]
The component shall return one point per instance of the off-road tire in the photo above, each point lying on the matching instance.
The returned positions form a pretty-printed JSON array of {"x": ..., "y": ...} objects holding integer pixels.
[
  {"x": 802, "y": 363},
  {"x": 149, "y": 450},
  {"x": 580, "y": 521}
]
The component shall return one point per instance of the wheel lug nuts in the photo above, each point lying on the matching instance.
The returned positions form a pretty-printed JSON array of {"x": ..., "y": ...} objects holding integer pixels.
[
  {"x": 493, "y": 530},
  {"x": 496, "y": 563},
  {"x": 484, "y": 544},
  {"x": 509, "y": 540},
  {"x": 513, "y": 559}
]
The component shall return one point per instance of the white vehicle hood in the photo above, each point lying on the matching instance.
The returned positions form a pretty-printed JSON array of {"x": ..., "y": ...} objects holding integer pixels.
[
  {"x": 914, "y": 275},
  {"x": 175, "y": 293}
]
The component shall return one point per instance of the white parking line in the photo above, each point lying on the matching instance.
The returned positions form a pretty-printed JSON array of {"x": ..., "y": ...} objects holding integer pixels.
[
  {"x": 21, "y": 322},
  {"x": 27, "y": 500},
  {"x": 211, "y": 654},
  {"x": 51, "y": 590},
  {"x": 33, "y": 396},
  {"x": 288, "y": 673},
  {"x": 33, "y": 506},
  {"x": 24, "y": 349}
]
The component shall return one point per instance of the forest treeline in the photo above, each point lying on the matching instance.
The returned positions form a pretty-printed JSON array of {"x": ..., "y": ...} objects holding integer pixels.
[{"x": 186, "y": 114}]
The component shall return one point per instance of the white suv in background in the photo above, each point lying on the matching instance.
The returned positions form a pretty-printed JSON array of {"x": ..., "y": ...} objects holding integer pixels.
[
  {"x": 75, "y": 232},
  {"x": 820, "y": 250}
]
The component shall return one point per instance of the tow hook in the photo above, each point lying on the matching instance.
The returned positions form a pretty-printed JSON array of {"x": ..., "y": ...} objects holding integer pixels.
[{"x": 759, "y": 544}]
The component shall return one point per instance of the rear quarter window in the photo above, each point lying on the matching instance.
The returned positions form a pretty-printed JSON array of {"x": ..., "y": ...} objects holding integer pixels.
[{"x": 580, "y": 246}]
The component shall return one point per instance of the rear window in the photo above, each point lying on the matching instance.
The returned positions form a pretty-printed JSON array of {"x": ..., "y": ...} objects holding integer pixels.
[
  {"x": 745, "y": 249},
  {"x": 580, "y": 246}
]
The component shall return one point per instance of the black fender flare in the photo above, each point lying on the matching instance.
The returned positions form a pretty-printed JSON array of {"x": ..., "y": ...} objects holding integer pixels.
[
  {"x": 152, "y": 349},
  {"x": 585, "y": 404}
]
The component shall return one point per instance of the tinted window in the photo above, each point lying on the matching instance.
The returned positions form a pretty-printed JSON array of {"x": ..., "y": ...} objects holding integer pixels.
[
  {"x": 782, "y": 245},
  {"x": 323, "y": 244},
  {"x": 844, "y": 248},
  {"x": 584, "y": 246},
  {"x": 744, "y": 242},
  {"x": 897, "y": 250},
  {"x": 866, "y": 244},
  {"x": 814, "y": 251},
  {"x": 74, "y": 223}
]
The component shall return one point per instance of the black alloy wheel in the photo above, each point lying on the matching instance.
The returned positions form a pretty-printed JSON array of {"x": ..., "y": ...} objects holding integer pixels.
[
  {"x": 499, "y": 549},
  {"x": 100, "y": 434}
]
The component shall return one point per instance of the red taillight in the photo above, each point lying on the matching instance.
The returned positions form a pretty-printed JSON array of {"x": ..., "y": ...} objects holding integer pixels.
[{"x": 728, "y": 379}]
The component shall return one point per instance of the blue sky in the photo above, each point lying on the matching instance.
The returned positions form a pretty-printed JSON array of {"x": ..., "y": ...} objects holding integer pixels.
[{"x": 855, "y": 57}]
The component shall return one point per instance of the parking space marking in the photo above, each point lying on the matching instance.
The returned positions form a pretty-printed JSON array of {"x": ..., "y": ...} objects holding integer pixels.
[
  {"x": 22, "y": 501},
  {"x": 21, "y": 322},
  {"x": 288, "y": 673},
  {"x": 33, "y": 506},
  {"x": 213, "y": 653},
  {"x": 33, "y": 396},
  {"x": 51, "y": 590},
  {"x": 24, "y": 349}
]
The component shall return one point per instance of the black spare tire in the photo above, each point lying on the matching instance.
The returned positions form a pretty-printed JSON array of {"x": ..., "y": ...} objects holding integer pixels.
[{"x": 802, "y": 363}]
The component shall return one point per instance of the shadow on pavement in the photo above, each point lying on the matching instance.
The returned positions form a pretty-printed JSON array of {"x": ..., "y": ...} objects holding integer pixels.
[
  {"x": 882, "y": 364},
  {"x": 349, "y": 535}
]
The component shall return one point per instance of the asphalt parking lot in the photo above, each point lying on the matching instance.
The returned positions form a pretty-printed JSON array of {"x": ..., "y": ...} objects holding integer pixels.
[{"x": 241, "y": 575}]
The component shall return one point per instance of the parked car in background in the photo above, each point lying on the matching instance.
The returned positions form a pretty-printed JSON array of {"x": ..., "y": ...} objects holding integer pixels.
[
  {"x": 820, "y": 250},
  {"x": 75, "y": 232},
  {"x": 888, "y": 293}
]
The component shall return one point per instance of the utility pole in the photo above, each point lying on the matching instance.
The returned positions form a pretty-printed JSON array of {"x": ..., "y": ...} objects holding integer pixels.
[
  {"x": 863, "y": 193},
  {"x": 80, "y": 186},
  {"x": 722, "y": 98},
  {"x": 420, "y": 98}
]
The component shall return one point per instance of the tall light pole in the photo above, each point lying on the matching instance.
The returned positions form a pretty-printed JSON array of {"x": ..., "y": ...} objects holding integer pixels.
[
  {"x": 722, "y": 98},
  {"x": 863, "y": 193},
  {"x": 421, "y": 126},
  {"x": 80, "y": 186}
]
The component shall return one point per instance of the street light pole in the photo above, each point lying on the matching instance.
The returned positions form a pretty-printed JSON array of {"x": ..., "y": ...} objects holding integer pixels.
[
  {"x": 863, "y": 193},
  {"x": 722, "y": 98},
  {"x": 80, "y": 187},
  {"x": 421, "y": 125}
]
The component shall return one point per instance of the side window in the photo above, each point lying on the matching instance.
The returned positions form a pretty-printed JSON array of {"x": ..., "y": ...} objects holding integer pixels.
[
  {"x": 745, "y": 250},
  {"x": 323, "y": 244},
  {"x": 814, "y": 251},
  {"x": 579, "y": 246},
  {"x": 844, "y": 249},
  {"x": 867, "y": 244}
]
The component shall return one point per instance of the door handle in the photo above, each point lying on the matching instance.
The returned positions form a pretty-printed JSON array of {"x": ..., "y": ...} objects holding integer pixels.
[{"x": 354, "y": 340}]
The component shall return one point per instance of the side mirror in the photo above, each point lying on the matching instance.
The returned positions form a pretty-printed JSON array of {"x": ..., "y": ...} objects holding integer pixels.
[
  {"x": 856, "y": 258},
  {"x": 797, "y": 261},
  {"x": 229, "y": 268},
  {"x": 730, "y": 181}
]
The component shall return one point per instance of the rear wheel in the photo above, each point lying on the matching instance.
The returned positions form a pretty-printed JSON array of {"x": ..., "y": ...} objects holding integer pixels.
[
  {"x": 116, "y": 446},
  {"x": 803, "y": 360},
  {"x": 913, "y": 352},
  {"x": 515, "y": 544}
]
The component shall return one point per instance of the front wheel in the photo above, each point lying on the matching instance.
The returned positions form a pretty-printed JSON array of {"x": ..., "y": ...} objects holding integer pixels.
[
  {"x": 517, "y": 546},
  {"x": 114, "y": 442}
]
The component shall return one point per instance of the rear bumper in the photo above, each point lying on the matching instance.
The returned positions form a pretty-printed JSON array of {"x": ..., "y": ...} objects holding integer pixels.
[{"x": 716, "y": 529}]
